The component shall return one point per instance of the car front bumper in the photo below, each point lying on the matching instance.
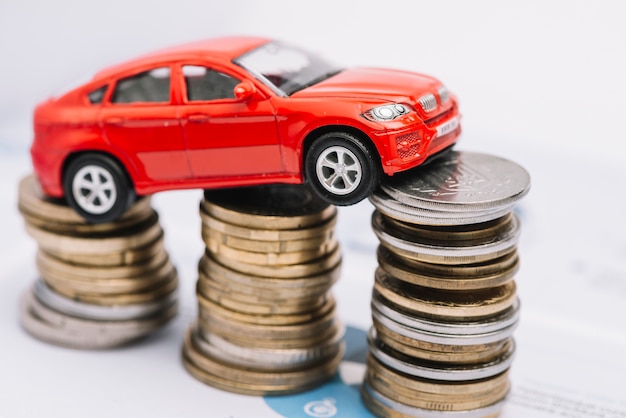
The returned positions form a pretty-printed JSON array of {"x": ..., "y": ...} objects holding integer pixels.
[{"x": 410, "y": 146}]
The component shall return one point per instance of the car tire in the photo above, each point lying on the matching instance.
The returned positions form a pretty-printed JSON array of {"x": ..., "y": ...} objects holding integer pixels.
[
  {"x": 341, "y": 168},
  {"x": 97, "y": 187}
]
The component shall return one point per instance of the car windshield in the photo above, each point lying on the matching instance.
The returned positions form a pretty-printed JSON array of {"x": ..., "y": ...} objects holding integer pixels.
[{"x": 286, "y": 69}]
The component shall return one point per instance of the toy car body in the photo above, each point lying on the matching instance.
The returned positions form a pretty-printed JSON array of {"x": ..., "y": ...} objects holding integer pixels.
[{"x": 235, "y": 111}]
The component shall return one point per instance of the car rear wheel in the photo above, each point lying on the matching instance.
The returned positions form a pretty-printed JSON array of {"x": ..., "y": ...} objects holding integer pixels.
[
  {"x": 341, "y": 169},
  {"x": 97, "y": 188}
]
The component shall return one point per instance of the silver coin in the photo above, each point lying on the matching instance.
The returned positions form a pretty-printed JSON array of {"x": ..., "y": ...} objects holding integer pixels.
[
  {"x": 452, "y": 211},
  {"x": 503, "y": 320},
  {"x": 457, "y": 340},
  {"x": 406, "y": 213},
  {"x": 487, "y": 331},
  {"x": 56, "y": 328},
  {"x": 71, "y": 307},
  {"x": 467, "y": 181},
  {"x": 271, "y": 359},
  {"x": 411, "y": 411},
  {"x": 499, "y": 244},
  {"x": 411, "y": 366}
]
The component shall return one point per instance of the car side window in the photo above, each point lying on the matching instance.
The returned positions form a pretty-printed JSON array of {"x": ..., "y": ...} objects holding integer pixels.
[
  {"x": 203, "y": 83},
  {"x": 96, "y": 96},
  {"x": 150, "y": 86}
]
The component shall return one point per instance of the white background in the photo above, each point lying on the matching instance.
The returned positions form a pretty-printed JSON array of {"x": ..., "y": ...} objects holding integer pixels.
[{"x": 540, "y": 82}]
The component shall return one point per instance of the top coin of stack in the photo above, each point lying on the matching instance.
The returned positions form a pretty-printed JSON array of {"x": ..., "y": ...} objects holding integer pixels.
[
  {"x": 267, "y": 320},
  {"x": 458, "y": 189},
  {"x": 444, "y": 304},
  {"x": 101, "y": 285}
]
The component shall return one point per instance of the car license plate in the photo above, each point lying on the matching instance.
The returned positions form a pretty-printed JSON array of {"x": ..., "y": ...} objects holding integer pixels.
[{"x": 449, "y": 126}]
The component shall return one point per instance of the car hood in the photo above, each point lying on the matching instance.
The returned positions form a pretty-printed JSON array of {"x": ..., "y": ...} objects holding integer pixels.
[{"x": 375, "y": 84}]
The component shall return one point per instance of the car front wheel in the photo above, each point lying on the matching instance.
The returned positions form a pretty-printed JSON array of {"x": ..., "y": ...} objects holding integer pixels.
[
  {"x": 97, "y": 188},
  {"x": 341, "y": 169}
]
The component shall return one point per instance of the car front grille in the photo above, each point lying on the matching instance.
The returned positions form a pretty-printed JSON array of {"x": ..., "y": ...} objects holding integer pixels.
[{"x": 428, "y": 102}]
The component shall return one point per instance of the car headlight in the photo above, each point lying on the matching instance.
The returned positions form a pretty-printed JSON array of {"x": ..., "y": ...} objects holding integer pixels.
[
  {"x": 444, "y": 96},
  {"x": 386, "y": 112}
]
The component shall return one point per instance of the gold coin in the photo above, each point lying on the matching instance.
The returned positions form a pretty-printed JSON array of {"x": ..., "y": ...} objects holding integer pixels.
[
  {"x": 316, "y": 267},
  {"x": 379, "y": 409},
  {"x": 136, "y": 237},
  {"x": 267, "y": 294},
  {"x": 437, "y": 370},
  {"x": 266, "y": 337},
  {"x": 385, "y": 410},
  {"x": 98, "y": 285},
  {"x": 437, "y": 234},
  {"x": 217, "y": 310},
  {"x": 298, "y": 286},
  {"x": 254, "y": 304},
  {"x": 491, "y": 267},
  {"x": 450, "y": 259},
  {"x": 270, "y": 359},
  {"x": 271, "y": 259},
  {"x": 246, "y": 374},
  {"x": 382, "y": 409},
  {"x": 449, "y": 252},
  {"x": 444, "y": 353},
  {"x": 307, "y": 335},
  {"x": 444, "y": 349},
  {"x": 268, "y": 246},
  {"x": 250, "y": 382},
  {"x": 436, "y": 387},
  {"x": 456, "y": 305},
  {"x": 83, "y": 229},
  {"x": 446, "y": 277},
  {"x": 208, "y": 285},
  {"x": 268, "y": 207},
  {"x": 277, "y": 295},
  {"x": 469, "y": 401},
  {"x": 233, "y": 328},
  {"x": 266, "y": 234},
  {"x": 159, "y": 289},
  {"x": 242, "y": 388},
  {"x": 33, "y": 203},
  {"x": 46, "y": 262},
  {"x": 113, "y": 259}
]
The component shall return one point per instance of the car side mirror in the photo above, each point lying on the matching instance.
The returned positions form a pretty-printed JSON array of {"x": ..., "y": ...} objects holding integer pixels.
[{"x": 244, "y": 90}]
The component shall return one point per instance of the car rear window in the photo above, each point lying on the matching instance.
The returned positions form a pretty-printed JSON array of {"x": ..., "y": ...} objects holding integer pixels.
[{"x": 150, "y": 86}]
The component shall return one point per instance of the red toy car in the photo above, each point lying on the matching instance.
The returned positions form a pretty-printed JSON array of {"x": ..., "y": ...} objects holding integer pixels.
[{"x": 235, "y": 111}]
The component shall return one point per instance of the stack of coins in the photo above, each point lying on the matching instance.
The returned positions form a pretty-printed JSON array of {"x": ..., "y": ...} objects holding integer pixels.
[
  {"x": 444, "y": 303},
  {"x": 267, "y": 321},
  {"x": 100, "y": 285}
]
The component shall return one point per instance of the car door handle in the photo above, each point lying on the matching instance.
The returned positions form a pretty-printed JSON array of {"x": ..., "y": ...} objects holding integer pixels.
[
  {"x": 116, "y": 120},
  {"x": 198, "y": 118}
]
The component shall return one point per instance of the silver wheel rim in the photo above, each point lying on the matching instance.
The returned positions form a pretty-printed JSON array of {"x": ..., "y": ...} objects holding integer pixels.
[
  {"x": 338, "y": 170},
  {"x": 94, "y": 189}
]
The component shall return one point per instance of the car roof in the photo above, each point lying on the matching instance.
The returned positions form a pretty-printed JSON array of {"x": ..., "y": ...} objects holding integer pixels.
[{"x": 225, "y": 48}]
